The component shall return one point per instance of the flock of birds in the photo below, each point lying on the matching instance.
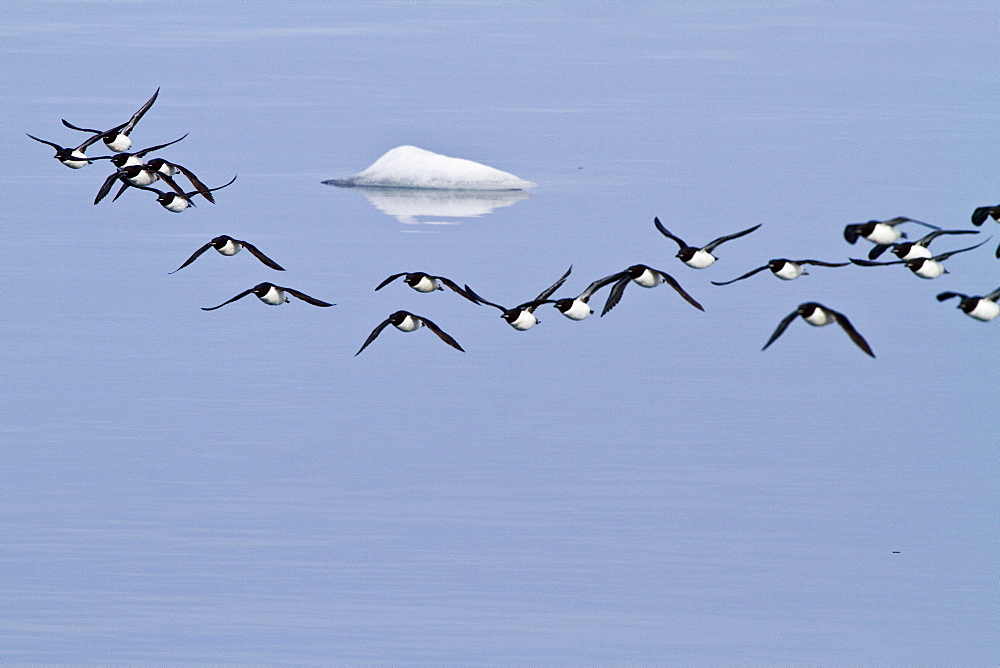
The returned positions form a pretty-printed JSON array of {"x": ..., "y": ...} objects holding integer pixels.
[{"x": 132, "y": 170}]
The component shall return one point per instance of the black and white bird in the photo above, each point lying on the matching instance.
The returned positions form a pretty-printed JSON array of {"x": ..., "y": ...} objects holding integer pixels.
[
  {"x": 881, "y": 231},
  {"x": 924, "y": 267},
  {"x": 646, "y": 277},
  {"x": 176, "y": 200},
  {"x": 117, "y": 138},
  {"x": 522, "y": 317},
  {"x": 980, "y": 215},
  {"x": 74, "y": 158},
  {"x": 785, "y": 269},
  {"x": 911, "y": 250},
  {"x": 818, "y": 315},
  {"x": 272, "y": 295},
  {"x": 980, "y": 307},
  {"x": 578, "y": 308},
  {"x": 124, "y": 159},
  {"x": 422, "y": 282},
  {"x": 405, "y": 321},
  {"x": 229, "y": 246},
  {"x": 699, "y": 258}
]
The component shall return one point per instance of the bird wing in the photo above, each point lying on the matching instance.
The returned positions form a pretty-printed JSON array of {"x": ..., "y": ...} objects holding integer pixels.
[
  {"x": 851, "y": 332},
  {"x": 197, "y": 192},
  {"x": 106, "y": 187},
  {"x": 597, "y": 285},
  {"x": 665, "y": 232},
  {"x": 456, "y": 288},
  {"x": 375, "y": 332},
  {"x": 77, "y": 127},
  {"x": 820, "y": 263},
  {"x": 193, "y": 257},
  {"x": 389, "y": 280},
  {"x": 978, "y": 216},
  {"x": 532, "y": 305},
  {"x": 782, "y": 326},
  {"x": 878, "y": 249},
  {"x": 126, "y": 185},
  {"x": 616, "y": 292},
  {"x": 480, "y": 300},
  {"x": 229, "y": 301},
  {"x": 144, "y": 151},
  {"x": 945, "y": 256},
  {"x": 54, "y": 145},
  {"x": 200, "y": 187},
  {"x": 169, "y": 180},
  {"x": 306, "y": 298},
  {"x": 740, "y": 278},
  {"x": 927, "y": 239},
  {"x": 127, "y": 127},
  {"x": 672, "y": 282},
  {"x": 545, "y": 294},
  {"x": 903, "y": 219},
  {"x": 993, "y": 296},
  {"x": 852, "y": 232},
  {"x": 442, "y": 334},
  {"x": 260, "y": 256},
  {"x": 942, "y": 296},
  {"x": 869, "y": 263},
  {"x": 721, "y": 240}
]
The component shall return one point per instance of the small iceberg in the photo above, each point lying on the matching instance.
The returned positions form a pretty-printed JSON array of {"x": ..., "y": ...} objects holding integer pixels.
[{"x": 412, "y": 167}]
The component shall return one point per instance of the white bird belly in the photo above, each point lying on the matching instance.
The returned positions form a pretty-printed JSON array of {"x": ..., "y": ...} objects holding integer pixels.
[
  {"x": 930, "y": 269},
  {"x": 77, "y": 164},
  {"x": 985, "y": 310},
  {"x": 884, "y": 234},
  {"x": 177, "y": 204},
  {"x": 700, "y": 260},
  {"x": 789, "y": 271},
  {"x": 143, "y": 178},
  {"x": 915, "y": 252},
  {"x": 650, "y": 279},
  {"x": 231, "y": 248},
  {"x": 427, "y": 284},
  {"x": 120, "y": 143},
  {"x": 525, "y": 320},
  {"x": 409, "y": 324},
  {"x": 274, "y": 296},
  {"x": 819, "y": 318},
  {"x": 578, "y": 310}
]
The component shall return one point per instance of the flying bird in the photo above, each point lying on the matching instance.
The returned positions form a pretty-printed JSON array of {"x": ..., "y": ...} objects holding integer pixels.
[
  {"x": 699, "y": 258},
  {"x": 910, "y": 250},
  {"x": 522, "y": 317},
  {"x": 117, "y": 138},
  {"x": 226, "y": 245},
  {"x": 881, "y": 231},
  {"x": 578, "y": 308},
  {"x": 422, "y": 282},
  {"x": 74, "y": 158},
  {"x": 647, "y": 277},
  {"x": 924, "y": 267},
  {"x": 818, "y": 315},
  {"x": 272, "y": 295},
  {"x": 405, "y": 321},
  {"x": 785, "y": 269},
  {"x": 980, "y": 307},
  {"x": 178, "y": 200}
]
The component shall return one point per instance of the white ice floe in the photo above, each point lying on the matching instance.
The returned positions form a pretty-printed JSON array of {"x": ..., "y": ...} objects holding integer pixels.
[{"x": 412, "y": 167}]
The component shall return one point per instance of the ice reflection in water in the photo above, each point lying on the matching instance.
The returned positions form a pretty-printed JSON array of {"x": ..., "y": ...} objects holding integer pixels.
[{"x": 420, "y": 205}]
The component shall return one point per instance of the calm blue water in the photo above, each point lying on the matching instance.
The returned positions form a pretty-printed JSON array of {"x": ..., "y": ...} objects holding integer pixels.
[{"x": 235, "y": 486}]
